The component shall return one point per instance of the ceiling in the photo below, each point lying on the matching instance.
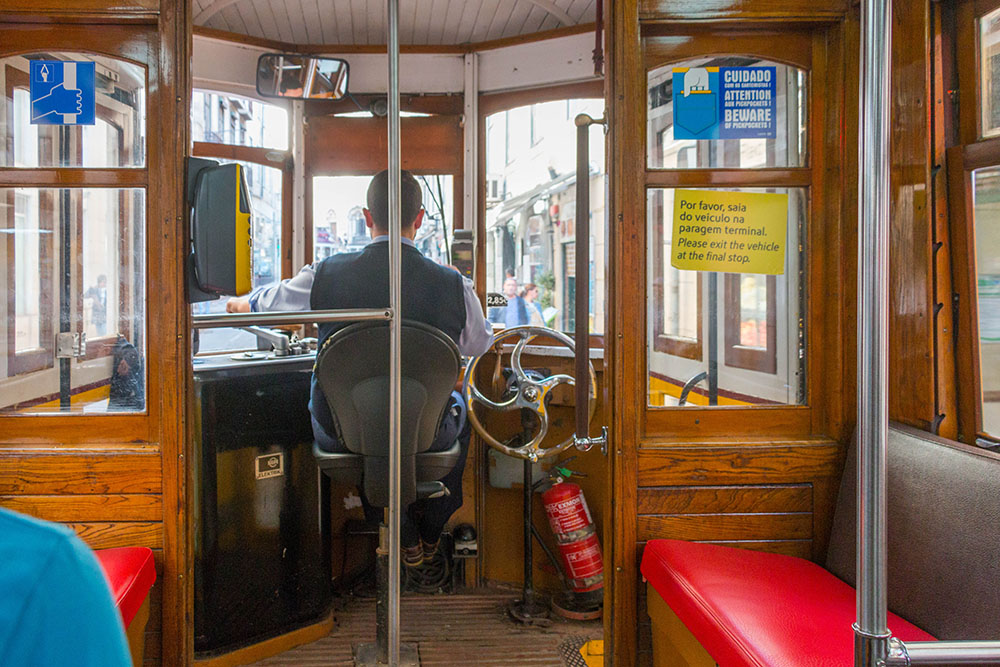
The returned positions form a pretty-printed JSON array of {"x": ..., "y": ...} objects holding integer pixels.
[{"x": 364, "y": 22}]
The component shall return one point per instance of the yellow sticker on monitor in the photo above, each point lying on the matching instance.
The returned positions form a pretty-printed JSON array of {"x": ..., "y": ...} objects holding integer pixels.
[{"x": 733, "y": 232}]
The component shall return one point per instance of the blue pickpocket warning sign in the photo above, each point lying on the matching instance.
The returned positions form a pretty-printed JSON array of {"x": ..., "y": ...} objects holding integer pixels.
[
  {"x": 725, "y": 103},
  {"x": 62, "y": 92}
]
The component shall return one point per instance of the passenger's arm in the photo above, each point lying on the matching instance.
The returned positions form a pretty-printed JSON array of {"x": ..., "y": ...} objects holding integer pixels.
[
  {"x": 290, "y": 294},
  {"x": 477, "y": 334}
]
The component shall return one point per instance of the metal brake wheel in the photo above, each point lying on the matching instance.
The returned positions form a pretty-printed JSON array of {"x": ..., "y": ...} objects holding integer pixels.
[{"x": 531, "y": 393}]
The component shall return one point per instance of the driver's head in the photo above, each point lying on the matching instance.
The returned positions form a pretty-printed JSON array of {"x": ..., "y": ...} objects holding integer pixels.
[{"x": 377, "y": 213}]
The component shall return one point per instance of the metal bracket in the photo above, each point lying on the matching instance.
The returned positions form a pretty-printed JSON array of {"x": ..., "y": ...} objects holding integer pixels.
[
  {"x": 586, "y": 444},
  {"x": 71, "y": 345}
]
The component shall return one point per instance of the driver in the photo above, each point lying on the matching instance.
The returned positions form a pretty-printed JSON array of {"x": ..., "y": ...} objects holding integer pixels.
[{"x": 431, "y": 293}]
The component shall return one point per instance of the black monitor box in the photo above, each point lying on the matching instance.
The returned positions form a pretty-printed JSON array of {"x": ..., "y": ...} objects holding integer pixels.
[{"x": 220, "y": 260}]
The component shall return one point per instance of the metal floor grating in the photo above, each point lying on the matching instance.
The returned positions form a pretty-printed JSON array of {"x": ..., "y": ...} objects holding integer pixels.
[{"x": 466, "y": 629}]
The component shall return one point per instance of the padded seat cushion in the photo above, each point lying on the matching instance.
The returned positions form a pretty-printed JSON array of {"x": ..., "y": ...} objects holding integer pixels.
[
  {"x": 130, "y": 572},
  {"x": 759, "y": 609}
]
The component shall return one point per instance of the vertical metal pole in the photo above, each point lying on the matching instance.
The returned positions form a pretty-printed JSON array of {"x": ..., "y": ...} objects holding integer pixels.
[
  {"x": 871, "y": 631},
  {"x": 529, "y": 579},
  {"x": 395, "y": 260},
  {"x": 582, "y": 328},
  {"x": 65, "y": 273},
  {"x": 713, "y": 338}
]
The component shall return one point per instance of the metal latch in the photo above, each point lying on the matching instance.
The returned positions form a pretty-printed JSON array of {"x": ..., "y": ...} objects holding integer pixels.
[
  {"x": 70, "y": 345},
  {"x": 585, "y": 444}
]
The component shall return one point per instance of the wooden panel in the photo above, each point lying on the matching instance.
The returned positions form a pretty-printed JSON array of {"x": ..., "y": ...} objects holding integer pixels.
[
  {"x": 743, "y": 9},
  {"x": 794, "y": 526},
  {"x": 88, "y": 508},
  {"x": 109, "y": 470},
  {"x": 794, "y": 48},
  {"x": 911, "y": 292},
  {"x": 715, "y": 499},
  {"x": 735, "y": 465},
  {"x": 742, "y": 178},
  {"x": 105, "y": 535},
  {"x": 797, "y": 548},
  {"x": 430, "y": 145},
  {"x": 121, "y": 8}
]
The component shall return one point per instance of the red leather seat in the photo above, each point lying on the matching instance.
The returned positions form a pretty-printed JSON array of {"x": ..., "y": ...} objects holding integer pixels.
[
  {"x": 130, "y": 572},
  {"x": 759, "y": 609}
]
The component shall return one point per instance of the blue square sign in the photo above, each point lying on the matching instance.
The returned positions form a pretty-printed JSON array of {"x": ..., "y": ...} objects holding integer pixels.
[
  {"x": 725, "y": 102},
  {"x": 62, "y": 93}
]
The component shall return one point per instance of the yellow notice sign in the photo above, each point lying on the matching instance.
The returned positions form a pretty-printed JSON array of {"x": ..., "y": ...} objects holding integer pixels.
[{"x": 735, "y": 232}]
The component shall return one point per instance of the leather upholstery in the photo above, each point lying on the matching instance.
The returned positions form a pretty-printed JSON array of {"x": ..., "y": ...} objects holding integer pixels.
[
  {"x": 943, "y": 533},
  {"x": 750, "y": 608},
  {"x": 130, "y": 572}
]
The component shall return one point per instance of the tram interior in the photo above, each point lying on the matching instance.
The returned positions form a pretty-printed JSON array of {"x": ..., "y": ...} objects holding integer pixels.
[{"x": 719, "y": 352}]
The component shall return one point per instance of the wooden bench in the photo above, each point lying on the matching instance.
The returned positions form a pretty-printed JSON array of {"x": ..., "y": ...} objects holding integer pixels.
[{"x": 711, "y": 604}]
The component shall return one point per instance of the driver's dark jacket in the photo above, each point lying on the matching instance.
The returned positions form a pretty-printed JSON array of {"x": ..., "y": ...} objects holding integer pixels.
[{"x": 431, "y": 293}]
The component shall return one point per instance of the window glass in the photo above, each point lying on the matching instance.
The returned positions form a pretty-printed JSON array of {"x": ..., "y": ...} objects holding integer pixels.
[
  {"x": 989, "y": 72},
  {"x": 531, "y": 214},
  {"x": 786, "y": 149},
  {"x": 339, "y": 224},
  {"x": 117, "y": 138},
  {"x": 756, "y": 320},
  {"x": 987, "y": 229},
  {"x": 75, "y": 289},
  {"x": 220, "y": 118},
  {"x": 265, "y": 185}
]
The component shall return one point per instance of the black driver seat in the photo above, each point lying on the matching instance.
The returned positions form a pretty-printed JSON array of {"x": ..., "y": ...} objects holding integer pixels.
[{"x": 352, "y": 368}]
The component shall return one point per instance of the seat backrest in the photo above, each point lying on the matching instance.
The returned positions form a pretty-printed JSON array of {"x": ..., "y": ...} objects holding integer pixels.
[
  {"x": 352, "y": 368},
  {"x": 943, "y": 534}
]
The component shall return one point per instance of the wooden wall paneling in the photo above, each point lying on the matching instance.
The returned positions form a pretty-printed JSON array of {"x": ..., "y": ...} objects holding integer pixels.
[
  {"x": 714, "y": 499},
  {"x": 336, "y": 145},
  {"x": 729, "y": 527},
  {"x": 104, "y": 507},
  {"x": 174, "y": 338},
  {"x": 626, "y": 89},
  {"x": 911, "y": 340},
  {"x": 967, "y": 58},
  {"x": 739, "y": 9},
  {"x": 104, "y": 469},
  {"x": 794, "y": 48},
  {"x": 831, "y": 279},
  {"x": 946, "y": 409},
  {"x": 734, "y": 464},
  {"x": 969, "y": 388},
  {"x": 61, "y": 10}
]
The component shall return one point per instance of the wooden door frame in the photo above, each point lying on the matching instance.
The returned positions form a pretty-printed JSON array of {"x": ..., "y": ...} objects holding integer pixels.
[{"x": 627, "y": 334}]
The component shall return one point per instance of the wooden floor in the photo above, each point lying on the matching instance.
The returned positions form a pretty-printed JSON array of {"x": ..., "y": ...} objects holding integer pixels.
[{"x": 465, "y": 629}]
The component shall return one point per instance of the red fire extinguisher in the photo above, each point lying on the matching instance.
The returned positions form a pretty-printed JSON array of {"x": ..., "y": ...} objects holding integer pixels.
[{"x": 575, "y": 535}]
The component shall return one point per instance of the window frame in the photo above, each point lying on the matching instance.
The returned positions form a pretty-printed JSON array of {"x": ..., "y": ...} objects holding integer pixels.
[
  {"x": 971, "y": 152},
  {"x": 803, "y": 47},
  {"x": 495, "y": 102},
  {"x": 121, "y": 43}
]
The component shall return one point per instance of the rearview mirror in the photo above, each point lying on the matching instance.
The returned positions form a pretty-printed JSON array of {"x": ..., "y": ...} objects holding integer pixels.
[{"x": 301, "y": 77}]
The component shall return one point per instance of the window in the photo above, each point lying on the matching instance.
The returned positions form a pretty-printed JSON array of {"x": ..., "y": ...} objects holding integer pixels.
[
  {"x": 254, "y": 134},
  {"x": 339, "y": 224},
  {"x": 74, "y": 280},
  {"x": 531, "y": 214},
  {"x": 239, "y": 121},
  {"x": 986, "y": 225},
  {"x": 717, "y": 337}
]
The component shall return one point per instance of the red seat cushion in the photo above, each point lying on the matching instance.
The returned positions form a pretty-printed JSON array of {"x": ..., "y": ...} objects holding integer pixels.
[
  {"x": 130, "y": 572},
  {"x": 754, "y": 608}
]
